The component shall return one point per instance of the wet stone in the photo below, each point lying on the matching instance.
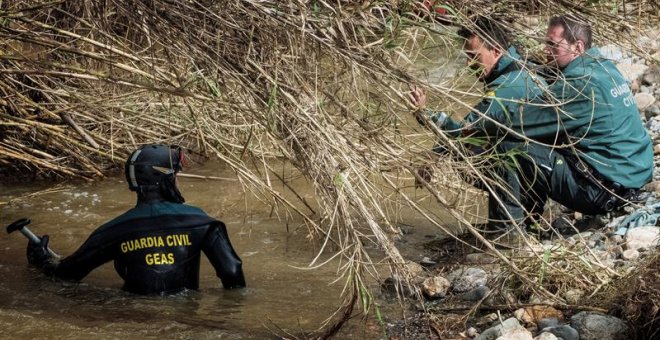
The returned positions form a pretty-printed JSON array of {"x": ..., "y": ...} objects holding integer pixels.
[
  {"x": 518, "y": 333},
  {"x": 630, "y": 254},
  {"x": 642, "y": 237},
  {"x": 644, "y": 100},
  {"x": 435, "y": 287},
  {"x": 547, "y": 322},
  {"x": 499, "y": 329},
  {"x": 596, "y": 326},
  {"x": 475, "y": 294},
  {"x": 467, "y": 278},
  {"x": 565, "y": 332},
  {"x": 546, "y": 336}
]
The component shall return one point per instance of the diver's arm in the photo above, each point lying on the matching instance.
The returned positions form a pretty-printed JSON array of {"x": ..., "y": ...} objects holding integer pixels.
[
  {"x": 227, "y": 264},
  {"x": 93, "y": 253}
]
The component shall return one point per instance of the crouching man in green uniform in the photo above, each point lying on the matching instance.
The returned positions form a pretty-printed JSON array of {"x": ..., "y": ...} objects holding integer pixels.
[
  {"x": 509, "y": 88},
  {"x": 155, "y": 246},
  {"x": 585, "y": 147},
  {"x": 597, "y": 152}
]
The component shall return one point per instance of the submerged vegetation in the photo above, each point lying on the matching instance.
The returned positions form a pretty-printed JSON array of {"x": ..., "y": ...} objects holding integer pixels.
[{"x": 320, "y": 84}]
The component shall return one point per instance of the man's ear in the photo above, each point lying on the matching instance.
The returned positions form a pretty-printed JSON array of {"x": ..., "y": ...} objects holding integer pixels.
[
  {"x": 497, "y": 52},
  {"x": 579, "y": 47}
]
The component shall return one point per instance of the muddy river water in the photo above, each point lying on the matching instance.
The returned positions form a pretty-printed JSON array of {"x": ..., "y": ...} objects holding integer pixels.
[{"x": 273, "y": 249}]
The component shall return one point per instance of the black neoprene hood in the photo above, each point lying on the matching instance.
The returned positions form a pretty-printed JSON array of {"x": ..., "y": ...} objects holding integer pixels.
[{"x": 151, "y": 164}]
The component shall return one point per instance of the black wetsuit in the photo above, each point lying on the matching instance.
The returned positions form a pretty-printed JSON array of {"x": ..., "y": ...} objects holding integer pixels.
[{"x": 156, "y": 248}]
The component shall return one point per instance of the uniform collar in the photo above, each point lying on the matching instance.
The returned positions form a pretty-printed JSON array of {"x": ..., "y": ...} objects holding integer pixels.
[
  {"x": 507, "y": 63},
  {"x": 587, "y": 57}
]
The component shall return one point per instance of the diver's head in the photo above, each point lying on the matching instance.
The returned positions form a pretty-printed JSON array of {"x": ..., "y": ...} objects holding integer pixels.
[{"x": 151, "y": 172}]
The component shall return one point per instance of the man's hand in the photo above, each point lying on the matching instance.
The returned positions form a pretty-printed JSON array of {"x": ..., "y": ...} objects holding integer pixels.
[
  {"x": 37, "y": 253},
  {"x": 417, "y": 97}
]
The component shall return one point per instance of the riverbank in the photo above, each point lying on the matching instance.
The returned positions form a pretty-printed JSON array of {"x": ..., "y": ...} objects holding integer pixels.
[{"x": 596, "y": 279}]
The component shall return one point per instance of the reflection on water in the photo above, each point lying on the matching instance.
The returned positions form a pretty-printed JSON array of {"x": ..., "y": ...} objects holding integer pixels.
[{"x": 278, "y": 295}]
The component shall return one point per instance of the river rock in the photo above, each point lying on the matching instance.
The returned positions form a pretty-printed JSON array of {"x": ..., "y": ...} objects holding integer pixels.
[
  {"x": 546, "y": 336},
  {"x": 632, "y": 71},
  {"x": 467, "y": 278},
  {"x": 652, "y": 75},
  {"x": 499, "y": 329},
  {"x": 644, "y": 100},
  {"x": 532, "y": 315},
  {"x": 435, "y": 287},
  {"x": 472, "y": 332},
  {"x": 653, "y": 186},
  {"x": 596, "y": 326},
  {"x": 564, "y": 332},
  {"x": 642, "y": 237},
  {"x": 546, "y": 323},
  {"x": 630, "y": 254},
  {"x": 652, "y": 111},
  {"x": 518, "y": 333},
  {"x": 475, "y": 294},
  {"x": 613, "y": 53}
]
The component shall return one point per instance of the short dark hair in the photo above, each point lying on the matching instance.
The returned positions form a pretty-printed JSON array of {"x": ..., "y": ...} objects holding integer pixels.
[
  {"x": 488, "y": 30},
  {"x": 574, "y": 29}
]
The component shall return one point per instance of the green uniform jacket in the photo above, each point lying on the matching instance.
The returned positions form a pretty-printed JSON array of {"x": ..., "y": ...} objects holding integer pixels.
[
  {"x": 509, "y": 88},
  {"x": 597, "y": 113}
]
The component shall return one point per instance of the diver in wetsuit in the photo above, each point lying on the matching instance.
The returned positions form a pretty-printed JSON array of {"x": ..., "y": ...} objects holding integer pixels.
[{"x": 155, "y": 246}]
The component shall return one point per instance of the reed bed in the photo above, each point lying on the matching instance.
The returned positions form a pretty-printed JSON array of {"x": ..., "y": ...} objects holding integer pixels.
[{"x": 320, "y": 84}]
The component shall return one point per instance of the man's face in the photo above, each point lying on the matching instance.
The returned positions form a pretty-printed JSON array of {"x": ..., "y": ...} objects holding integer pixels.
[
  {"x": 480, "y": 58},
  {"x": 558, "y": 51}
]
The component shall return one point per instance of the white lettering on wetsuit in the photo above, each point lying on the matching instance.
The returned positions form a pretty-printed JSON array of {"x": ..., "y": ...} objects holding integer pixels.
[{"x": 157, "y": 258}]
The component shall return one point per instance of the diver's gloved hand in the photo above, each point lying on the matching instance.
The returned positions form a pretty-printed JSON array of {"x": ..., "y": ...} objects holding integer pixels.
[{"x": 37, "y": 253}]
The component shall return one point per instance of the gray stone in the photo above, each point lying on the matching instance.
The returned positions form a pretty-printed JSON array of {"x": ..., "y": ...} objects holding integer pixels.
[
  {"x": 596, "y": 326},
  {"x": 427, "y": 262},
  {"x": 467, "y": 278},
  {"x": 546, "y": 336},
  {"x": 642, "y": 237},
  {"x": 652, "y": 75},
  {"x": 652, "y": 111},
  {"x": 646, "y": 90},
  {"x": 435, "y": 287},
  {"x": 644, "y": 100},
  {"x": 630, "y": 254},
  {"x": 565, "y": 332},
  {"x": 499, "y": 329},
  {"x": 547, "y": 322},
  {"x": 653, "y": 186},
  {"x": 653, "y": 125},
  {"x": 518, "y": 333},
  {"x": 472, "y": 332},
  {"x": 475, "y": 294},
  {"x": 632, "y": 71},
  {"x": 612, "y": 52}
]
